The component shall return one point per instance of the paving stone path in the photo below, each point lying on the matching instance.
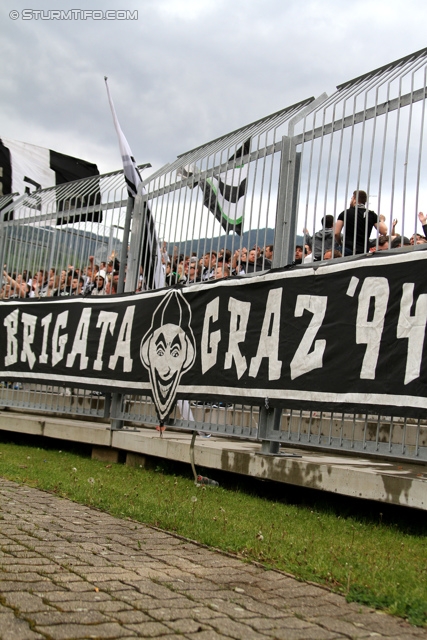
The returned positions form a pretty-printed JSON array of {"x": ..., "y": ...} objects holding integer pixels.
[{"x": 68, "y": 572}]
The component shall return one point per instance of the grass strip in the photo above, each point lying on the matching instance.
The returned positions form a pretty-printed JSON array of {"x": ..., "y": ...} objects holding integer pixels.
[{"x": 379, "y": 563}]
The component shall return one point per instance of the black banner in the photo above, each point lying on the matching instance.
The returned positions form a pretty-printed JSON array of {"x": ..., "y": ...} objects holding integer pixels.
[{"x": 344, "y": 336}]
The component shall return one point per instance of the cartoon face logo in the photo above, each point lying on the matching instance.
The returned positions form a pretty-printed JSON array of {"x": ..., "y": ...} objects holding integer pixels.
[{"x": 168, "y": 349}]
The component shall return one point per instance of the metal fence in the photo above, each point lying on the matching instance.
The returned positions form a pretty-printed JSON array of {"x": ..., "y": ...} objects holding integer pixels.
[
  {"x": 268, "y": 183},
  {"x": 369, "y": 135},
  {"x": 60, "y": 227},
  {"x": 52, "y": 235}
]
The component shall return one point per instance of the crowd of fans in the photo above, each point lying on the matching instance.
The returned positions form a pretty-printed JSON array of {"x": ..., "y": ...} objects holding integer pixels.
[
  {"x": 349, "y": 234},
  {"x": 102, "y": 279},
  {"x": 307, "y": 253},
  {"x": 189, "y": 269},
  {"x": 92, "y": 280}
]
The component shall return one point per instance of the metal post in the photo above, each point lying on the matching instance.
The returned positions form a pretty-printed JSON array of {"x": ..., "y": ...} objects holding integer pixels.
[
  {"x": 51, "y": 262},
  {"x": 116, "y": 409},
  {"x": 117, "y": 398},
  {"x": 139, "y": 209},
  {"x": 283, "y": 247},
  {"x": 124, "y": 253},
  {"x": 286, "y": 213},
  {"x": 268, "y": 418},
  {"x": 135, "y": 244}
]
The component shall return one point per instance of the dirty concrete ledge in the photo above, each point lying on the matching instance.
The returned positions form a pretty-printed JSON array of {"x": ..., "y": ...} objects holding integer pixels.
[{"x": 397, "y": 483}]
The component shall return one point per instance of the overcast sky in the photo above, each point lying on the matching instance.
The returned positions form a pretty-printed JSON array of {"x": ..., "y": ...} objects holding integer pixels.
[{"x": 185, "y": 71}]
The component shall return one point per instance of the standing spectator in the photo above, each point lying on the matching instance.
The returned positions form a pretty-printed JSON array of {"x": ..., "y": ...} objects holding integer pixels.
[
  {"x": 53, "y": 286},
  {"x": 323, "y": 239},
  {"x": 165, "y": 255},
  {"x": 329, "y": 254},
  {"x": 400, "y": 241},
  {"x": 308, "y": 254},
  {"x": 225, "y": 257},
  {"x": 383, "y": 244},
  {"x": 26, "y": 275},
  {"x": 221, "y": 271},
  {"x": 89, "y": 276},
  {"x": 299, "y": 252},
  {"x": 268, "y": 252},
  {"x": 18, "y": 288},
  {"x": 171, "y": 276},
  {"x": 182, "y": 278},
  {"x": 255, "y": 262},
  {"x": 63, "y": 289},
  {"x": 415, "y": 238},
  {"x": 39, "y": 284},
  {"x": 266, "y": 261},
  {"x": 113, "y": 267},
  {"x": 77, "y": 283},
  {"x": 358, "y": 223},
  {"x": 194, "y": 272},
  {"x": 110, "y": 286},
  {"x": 238, "y": 264},
  {"x": 209, "y": 262},
  {"x": 98, "y": 289},
  {"x": 5, "y": 291}
]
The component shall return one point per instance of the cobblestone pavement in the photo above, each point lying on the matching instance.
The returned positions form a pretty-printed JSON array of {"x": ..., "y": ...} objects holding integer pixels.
[{"x": 68, "y": 572}]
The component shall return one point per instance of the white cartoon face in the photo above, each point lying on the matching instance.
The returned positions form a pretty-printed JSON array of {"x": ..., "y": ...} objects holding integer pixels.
[{"x": 167, "y": 352}]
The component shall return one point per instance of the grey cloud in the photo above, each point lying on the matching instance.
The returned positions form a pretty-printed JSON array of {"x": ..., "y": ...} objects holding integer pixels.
[{"x": 180, "y": 80}]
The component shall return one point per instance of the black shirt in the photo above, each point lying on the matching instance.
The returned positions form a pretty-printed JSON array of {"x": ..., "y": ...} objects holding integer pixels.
[{"x": 358, "y": 224}]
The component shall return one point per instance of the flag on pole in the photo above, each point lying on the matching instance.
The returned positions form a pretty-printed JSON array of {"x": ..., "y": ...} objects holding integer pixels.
[
  {"x": 151, "y": 253},
  {"x": 224, "y": 194}
]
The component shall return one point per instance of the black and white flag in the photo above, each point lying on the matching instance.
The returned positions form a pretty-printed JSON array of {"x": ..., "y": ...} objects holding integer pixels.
[
  {"x": 27, "y": 168},
  {"x": 224, "y": 194},
  {"x": 151, "y": 253}
]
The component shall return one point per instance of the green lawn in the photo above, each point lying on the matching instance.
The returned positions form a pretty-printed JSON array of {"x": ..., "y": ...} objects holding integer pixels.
[{"x": 375, "y": 558}]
